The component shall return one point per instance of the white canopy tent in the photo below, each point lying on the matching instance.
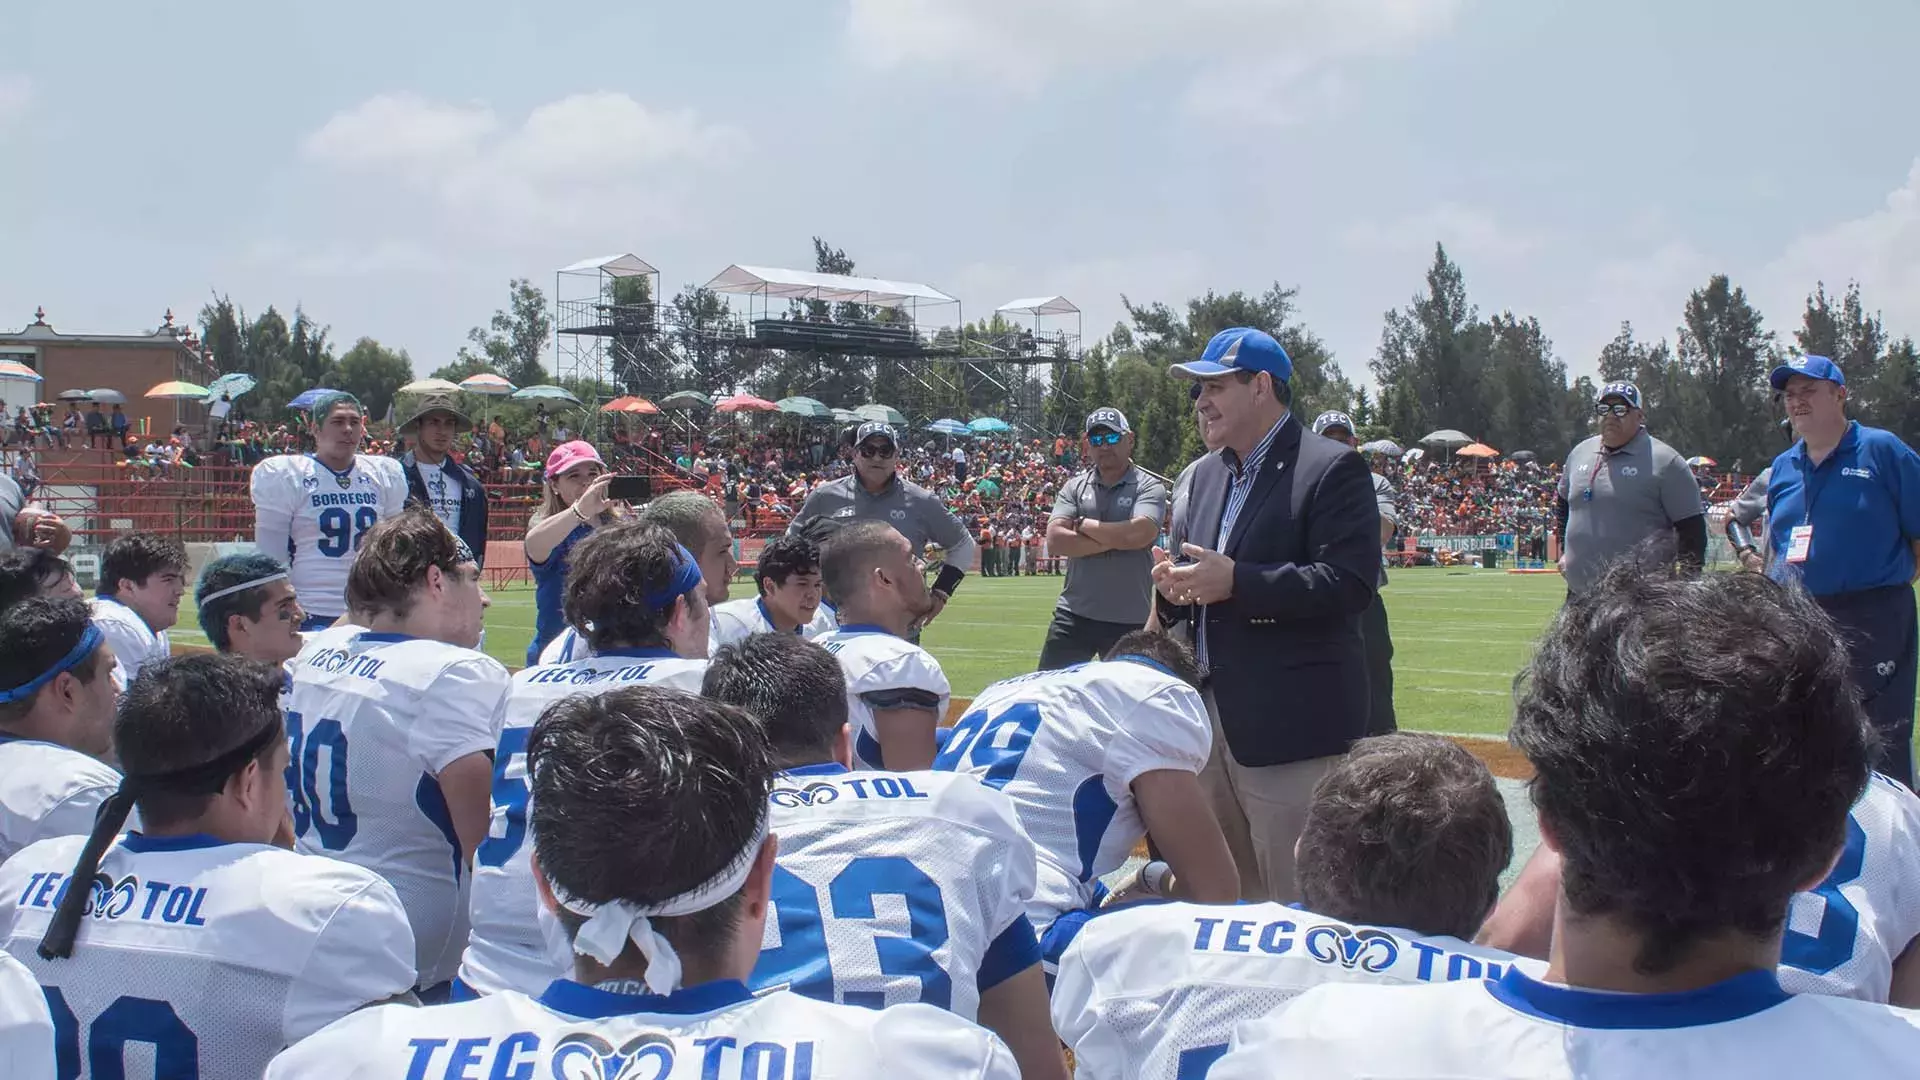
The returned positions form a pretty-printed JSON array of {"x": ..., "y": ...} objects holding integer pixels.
[
  {"x": 1040, "y": 305},
  {"x": 774, "y": 283},
  {"x": 628, "y": 265}
]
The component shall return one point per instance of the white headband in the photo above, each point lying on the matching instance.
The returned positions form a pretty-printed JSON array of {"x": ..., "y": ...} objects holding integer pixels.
[
  {"x": 279, "y": 575},
  {"x": 610, "y": 926}
]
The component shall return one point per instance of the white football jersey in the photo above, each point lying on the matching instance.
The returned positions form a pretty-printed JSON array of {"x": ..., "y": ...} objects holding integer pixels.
[
  {"x": 1066, "y": 747},
  {"x": 874, "y": 662},
  {"x": 714, "y": 1031},
  {"x": 568, "y": 644},
  {"x": 738, "y": 620},
  {"x": 48, "y": 790},
  {"x": 1843, "y": 937},
  {"x": 324, "y": 515},
  {"x": 948, "y": 856},
  {"x": 1746, "y": 1027},
  {"x": 506, "y": 949},
  {"x": 135, "y": 644},
  {"x": 203, "y": 957},
  {"x": 372, "y": 722},
  {"x": 1155, "y": 990},
  {"x": 26, "y": 1027}
]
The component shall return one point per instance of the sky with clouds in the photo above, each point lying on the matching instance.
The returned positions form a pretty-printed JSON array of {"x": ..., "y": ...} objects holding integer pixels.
[{"x": 390, "y": 166}]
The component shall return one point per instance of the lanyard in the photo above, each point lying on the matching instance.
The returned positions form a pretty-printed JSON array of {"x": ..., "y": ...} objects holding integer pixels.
[
  {"x": 1813, "y": 491},
  {"x": 1600, "y": 462}
]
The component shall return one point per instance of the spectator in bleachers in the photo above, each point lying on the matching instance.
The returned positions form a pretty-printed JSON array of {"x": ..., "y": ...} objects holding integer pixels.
[{"x": 97, "y": 431}]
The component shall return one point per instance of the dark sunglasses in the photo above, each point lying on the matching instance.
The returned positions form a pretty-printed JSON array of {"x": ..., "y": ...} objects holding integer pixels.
[
  {"x": 876, "y": 450},
  {"x": 1603, "y": 409},
  {"x": 1111, "y": 438}
]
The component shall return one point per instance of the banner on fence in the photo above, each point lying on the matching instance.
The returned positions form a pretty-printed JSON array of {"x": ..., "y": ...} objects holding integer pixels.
[{"x": 1503, "y": 541}]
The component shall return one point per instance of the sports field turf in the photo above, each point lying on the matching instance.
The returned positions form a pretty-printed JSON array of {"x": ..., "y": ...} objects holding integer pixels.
[{"x": 1459, "y": 636}]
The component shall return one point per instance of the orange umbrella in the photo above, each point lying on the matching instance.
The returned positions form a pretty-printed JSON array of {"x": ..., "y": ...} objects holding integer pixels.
[
  {"x": 1477, "y": 450},
  {"x": 745, "y": 403},
  {"x": 630, "y": 404}
]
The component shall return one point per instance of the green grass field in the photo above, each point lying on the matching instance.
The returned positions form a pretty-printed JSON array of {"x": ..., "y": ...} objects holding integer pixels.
[{"x": 1459, "y": 637}]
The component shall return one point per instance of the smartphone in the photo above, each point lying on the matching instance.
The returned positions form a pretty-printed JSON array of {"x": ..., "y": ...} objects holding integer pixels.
[{"x": 632, "y": 490}]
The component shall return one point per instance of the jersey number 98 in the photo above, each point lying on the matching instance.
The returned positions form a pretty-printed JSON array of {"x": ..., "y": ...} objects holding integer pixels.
[{"x": 340, "y": 534}]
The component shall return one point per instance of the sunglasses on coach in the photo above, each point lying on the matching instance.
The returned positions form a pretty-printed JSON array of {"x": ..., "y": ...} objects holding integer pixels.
[
  {"x": 1111, "y": 438},
  {"x": 876, "y": 450},
  {"x": 1617, "y": 409}
]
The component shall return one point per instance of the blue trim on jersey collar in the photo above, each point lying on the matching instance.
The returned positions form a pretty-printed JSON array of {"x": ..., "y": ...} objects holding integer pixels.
[
  {"x": 383, "y": 639},
  {"x": 1731, "y": 999},
  {"x": 1147, "y": 661},
  {"x": 824, "y": 768},
  {"x": 761, "y": 603},
  {"x": 865, "y": 628},
  {"x": 592, "y": 1003},
  {"x": 649, "y": 652},
  {"x": 337, "y": 474},
  {"x": 140, "y": 842}
]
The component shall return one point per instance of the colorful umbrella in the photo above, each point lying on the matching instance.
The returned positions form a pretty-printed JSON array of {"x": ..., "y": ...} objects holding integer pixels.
[
  {"x": 14, "y": 369},
  {"x": 987, "y": 425},
  {"x": 686, "y": 399},
  {"x": 945, "y": 426},
  {"x": 177, "y": 389},
  {"x": 1479, "y": 450},
  {"x": 487, "y": 383},
  {"x": 805, "y": 406},
  {"x": 745, "y": 403},
  {"x": 884, "y": 414},
  {"x": 545, "y": 392},
  {"x": 1701, "y": 459},
  {"x": 429, "y": 386}
]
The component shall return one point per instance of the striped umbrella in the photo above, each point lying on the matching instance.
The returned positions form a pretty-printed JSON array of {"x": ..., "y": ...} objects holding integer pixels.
[
  {"x": 487, "y": 383},
  {"x": 13, "y": 369}
]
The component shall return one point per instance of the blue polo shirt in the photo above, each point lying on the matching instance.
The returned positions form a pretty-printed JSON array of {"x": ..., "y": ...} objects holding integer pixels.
[{"x": 1863, "y": 502}]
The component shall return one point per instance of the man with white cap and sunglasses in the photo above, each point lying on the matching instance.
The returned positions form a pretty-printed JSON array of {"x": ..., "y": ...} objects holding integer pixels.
[
  {"x": 662, "y": 880},
  {"x": 1622, "y": 488},
  {"x": 1105, "y": 521}
]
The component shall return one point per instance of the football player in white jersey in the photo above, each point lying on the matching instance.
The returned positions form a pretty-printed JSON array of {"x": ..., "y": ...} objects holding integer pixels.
[
  {"x": 26, "y": 1027},
  {"x": 787, "y": 576},
  {"x": 700, "y": 525},
  {"x": 196, "y": 944},
  {"x": 142, "y": 578},
  {"x": 247, "y": 607},
  {"x": 896, "y": 693},
  {"x": 640, "y": 592},
  {"x": 1399, "y": 862},
  {"x": 32, "y": 571},
  {"x": 315, "y": 510},
  {"x": 1856, "y": 935},
  {"x": 57, "y": 698},
  {"x": 660, "y": 877},
  {"x": 951, "y": 851},
  {"x": 392, "y": 731},
  {"x": 1696, "y": 745},
  {"x": 1097, "y": 757}
]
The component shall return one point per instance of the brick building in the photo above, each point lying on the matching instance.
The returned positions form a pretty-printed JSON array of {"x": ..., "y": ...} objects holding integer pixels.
[{"x": 129, "y": 363}]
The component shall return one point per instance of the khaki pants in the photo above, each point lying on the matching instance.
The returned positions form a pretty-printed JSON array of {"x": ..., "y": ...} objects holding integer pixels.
[{"x": 1261, "y": 811}]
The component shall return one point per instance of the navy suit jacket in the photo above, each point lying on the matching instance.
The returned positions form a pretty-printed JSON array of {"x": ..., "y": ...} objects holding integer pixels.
[{"x": 1285, "y": 659}]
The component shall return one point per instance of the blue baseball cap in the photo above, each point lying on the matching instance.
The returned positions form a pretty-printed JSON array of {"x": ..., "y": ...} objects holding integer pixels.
[
  {"x": 874, "y": 427},
  {"x": 1241, "y": 348},
  {"x": 1813, "y": 367},
  {"x": 1623, "y": 390}
]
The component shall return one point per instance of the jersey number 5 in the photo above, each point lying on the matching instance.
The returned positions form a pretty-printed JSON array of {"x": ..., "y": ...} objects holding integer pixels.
[
  {"x": 340, "y": 534},
  {"x": 304, "y": 788},
  {"x": 509, "y": 799}
]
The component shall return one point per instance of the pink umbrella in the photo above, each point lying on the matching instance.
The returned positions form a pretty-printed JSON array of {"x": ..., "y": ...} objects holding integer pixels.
[{"x": 745, "y": 403}]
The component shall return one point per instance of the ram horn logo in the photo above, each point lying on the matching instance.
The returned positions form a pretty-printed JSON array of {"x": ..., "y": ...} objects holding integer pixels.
[
  {"x": 585, "y": 1056},
  {"x": 812, "y": 795},
  {"x": 1368, "y": 950},
  {"x": 110, "y": 899}
]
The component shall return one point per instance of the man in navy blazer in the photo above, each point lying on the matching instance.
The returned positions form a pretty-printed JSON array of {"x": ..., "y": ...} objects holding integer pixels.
[{"x": 1276, "y": 541}]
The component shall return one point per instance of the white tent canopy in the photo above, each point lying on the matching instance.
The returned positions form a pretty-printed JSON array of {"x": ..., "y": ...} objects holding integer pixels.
[
  {"x": 613, "y": 266},
  {"x": 832, "y": 288},
  {"x": 1040, "y": 305}
]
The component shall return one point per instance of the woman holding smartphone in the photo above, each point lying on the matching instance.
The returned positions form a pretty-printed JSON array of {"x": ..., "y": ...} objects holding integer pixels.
[{"x": 576, "y": 503}]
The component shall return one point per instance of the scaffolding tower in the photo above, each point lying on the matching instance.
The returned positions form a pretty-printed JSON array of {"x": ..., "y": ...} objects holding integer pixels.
[{"x": 607, "y": 327}]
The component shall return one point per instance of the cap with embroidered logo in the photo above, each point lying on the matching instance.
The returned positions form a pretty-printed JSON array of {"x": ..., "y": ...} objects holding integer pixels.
[
  {"x": 1623, "y": 390},
  {"x": 1813, "y": 367},
  {"x": 1332, "y": 418},
  {"x": 1241, "y": 348},
  {"x": 1107, "y": 417},
  {"x": 874, "y": 427}
]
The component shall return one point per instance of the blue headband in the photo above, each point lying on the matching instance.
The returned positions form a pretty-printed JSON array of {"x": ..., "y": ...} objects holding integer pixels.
[
  {"x": 89, "y": 640},
  {"x": 686, "y": 578}
]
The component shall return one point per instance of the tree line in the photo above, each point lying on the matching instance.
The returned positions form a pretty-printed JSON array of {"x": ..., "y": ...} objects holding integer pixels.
[{"x": 1440, "y": 363}]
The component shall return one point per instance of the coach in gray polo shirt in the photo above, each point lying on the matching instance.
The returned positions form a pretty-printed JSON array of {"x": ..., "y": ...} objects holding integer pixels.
[
  {"x": 877, "y": 492},
  {"x": 1105, "y": 521},
  {"x": 1621, "y": 487}
]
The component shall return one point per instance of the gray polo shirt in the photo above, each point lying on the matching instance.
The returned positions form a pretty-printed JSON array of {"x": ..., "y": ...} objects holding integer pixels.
[
  {"x": 1113, "y": 586},
  {"x": 1638, "y": 491},
  {"x": 918, "y": 513},
  {"x": 11, "y": 503}
]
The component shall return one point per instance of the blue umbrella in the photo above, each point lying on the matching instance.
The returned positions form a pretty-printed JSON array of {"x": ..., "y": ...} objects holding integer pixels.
[
  {"x": 987, "y": 425},
  {"x": 232, "y": 384},
  {"x": 308, "y": 397},
  {"x": 948, "y": 427}
]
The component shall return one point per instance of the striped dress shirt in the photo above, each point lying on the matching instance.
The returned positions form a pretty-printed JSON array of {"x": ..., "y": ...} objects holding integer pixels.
[{"x": 1243, "y": 473}]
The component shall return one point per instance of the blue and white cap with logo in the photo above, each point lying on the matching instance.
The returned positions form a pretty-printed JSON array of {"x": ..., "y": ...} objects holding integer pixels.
[
  {"x": 1241, "y": 348},
  {"x": 1813, "y": 367},
  {"x": 1107, "y": 417},
  {"x": 1623, "y": 390},
  {"x": 1332, "y": 418},
  {"x": 874, "y": 427}
]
